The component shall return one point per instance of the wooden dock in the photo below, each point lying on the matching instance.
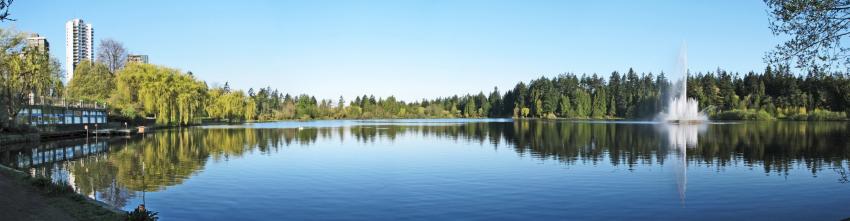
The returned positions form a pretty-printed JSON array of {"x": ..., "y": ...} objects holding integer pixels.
[{"x": 110, "y": 132}]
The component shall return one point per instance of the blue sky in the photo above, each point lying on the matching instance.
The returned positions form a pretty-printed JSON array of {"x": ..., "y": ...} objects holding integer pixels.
[{"x": 413, "y": 49}]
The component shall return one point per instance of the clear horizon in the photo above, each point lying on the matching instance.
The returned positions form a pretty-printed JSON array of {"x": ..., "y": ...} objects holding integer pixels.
[{"x": 415, "y": 49}]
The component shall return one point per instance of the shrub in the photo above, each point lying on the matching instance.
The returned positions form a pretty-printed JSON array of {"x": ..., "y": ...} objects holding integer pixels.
[
  {"x": 826, "y": 115},
  {"x": 142, "y": 214},
  {"x": 817, "y": 115},
  {"x": 743, "y": 115},
  {"x": 49, "y": 187},
  {"x": 19, "y": 128}
]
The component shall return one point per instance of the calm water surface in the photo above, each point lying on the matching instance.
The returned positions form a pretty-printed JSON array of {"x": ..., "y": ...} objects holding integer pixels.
[{"x": 463, "y": 169}]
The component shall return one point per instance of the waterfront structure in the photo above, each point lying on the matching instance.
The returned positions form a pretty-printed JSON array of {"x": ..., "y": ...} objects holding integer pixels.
[
  {"x": 38, "y": 42},
  {"x": 140, "y": 58},
  {"x": 44, "y": 112},
  {"x": 79, "y": 44}
]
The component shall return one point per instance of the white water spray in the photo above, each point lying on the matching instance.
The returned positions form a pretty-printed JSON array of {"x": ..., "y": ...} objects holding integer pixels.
[{"x": 682, "y": 109}]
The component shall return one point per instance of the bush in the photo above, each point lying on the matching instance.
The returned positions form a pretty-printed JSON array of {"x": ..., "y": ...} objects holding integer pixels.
[
  {"x": 142, "y": 214},
  {"x": 817, "y": 115},
  {"x": 49, "y": 187},
  {"x": 743, "y": 115},
  {"x": 826, "y": 115},
  {"x": 20, "y": 129}
]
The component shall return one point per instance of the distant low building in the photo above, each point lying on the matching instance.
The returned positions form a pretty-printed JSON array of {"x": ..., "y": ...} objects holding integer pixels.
[
  {"x": 140, "y": 58},
  {"x": 38, "y": 42}
]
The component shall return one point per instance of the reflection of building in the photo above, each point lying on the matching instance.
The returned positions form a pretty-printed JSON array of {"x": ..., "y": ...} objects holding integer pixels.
[
  {"x": 79, "y": 44},
  {"x": 140, "y": 58},
  {"x": 38, "y": 42}
]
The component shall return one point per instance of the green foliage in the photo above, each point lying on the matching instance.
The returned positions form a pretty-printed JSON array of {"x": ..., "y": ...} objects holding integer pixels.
[
  {"x": 166, "y": 94},
  {"x": 824, "y": 115},
  {"x": 630, "y": 96},
  {"x": 172, "y": 97},
  {"x": 744, "y": 115},
  {"x": 49, "y": 187},
  {"x": 469, "y": 109},
  {"x": 142, "y": 215},
  {"x": 23, "y": 70},
  {"x": 582, "y": 103},
  {"x": 565, "y": 107},
  {"x": 92, "y": 82},
  {"x": 230, "y": 105},
  {"x": 814, "y": 33},
  {"x": 600, "y": 104}
]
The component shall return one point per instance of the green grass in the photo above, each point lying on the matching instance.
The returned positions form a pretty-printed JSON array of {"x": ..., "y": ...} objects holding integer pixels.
[{"x": 63, "y": 197}]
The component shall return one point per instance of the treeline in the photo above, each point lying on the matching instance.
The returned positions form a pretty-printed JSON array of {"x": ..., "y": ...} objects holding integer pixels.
[
  {"x": 174, "y": 97},
  {"x": 775, "y": 93}
]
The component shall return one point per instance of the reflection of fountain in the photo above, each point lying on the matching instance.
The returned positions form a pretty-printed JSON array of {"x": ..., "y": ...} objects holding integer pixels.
[
  {"x": 682, "y": 109},
  {"x": 681, "y": 137}
]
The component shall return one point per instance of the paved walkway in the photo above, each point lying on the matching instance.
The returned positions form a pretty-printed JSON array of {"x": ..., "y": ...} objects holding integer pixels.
[{"x": 21, "y": 203}]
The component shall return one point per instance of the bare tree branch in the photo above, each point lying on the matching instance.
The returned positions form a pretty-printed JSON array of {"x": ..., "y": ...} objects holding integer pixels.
[
  {"x": 112, "y": 53},
  {"x": 4, "y": 7},
  {"x": 816, "y": 29}
]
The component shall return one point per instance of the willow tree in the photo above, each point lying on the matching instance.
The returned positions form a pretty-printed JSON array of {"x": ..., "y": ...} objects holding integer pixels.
[
  {"x": 24, "y": 72},
  {"x": 170, "y": 96},
  {"x": 230, "y": 105},
  {"x": 250, "y": 109}
]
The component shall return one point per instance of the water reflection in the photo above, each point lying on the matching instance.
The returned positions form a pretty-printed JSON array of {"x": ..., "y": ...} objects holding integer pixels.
[
  {"x": 680, "y": 138},
  {"x": 118, "y": 170}
]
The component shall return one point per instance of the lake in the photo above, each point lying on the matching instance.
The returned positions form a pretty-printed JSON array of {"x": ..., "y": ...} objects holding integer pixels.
[{"x": 492, "y": 169}]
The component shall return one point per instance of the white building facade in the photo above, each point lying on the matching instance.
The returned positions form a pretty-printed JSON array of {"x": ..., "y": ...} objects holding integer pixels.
[
  {"x": 79, "y": 45},
  {"x": 38, "y": 42}
]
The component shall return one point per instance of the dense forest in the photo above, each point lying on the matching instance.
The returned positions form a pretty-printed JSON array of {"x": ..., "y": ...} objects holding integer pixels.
[
  {"x": 174, "y": 97},
  {"x": 774, "y": 93}
]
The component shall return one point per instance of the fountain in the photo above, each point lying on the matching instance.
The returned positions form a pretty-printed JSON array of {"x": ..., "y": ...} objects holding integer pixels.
[
  {"x": 681, "y": 109},
  {"x": 682, "y": 122}
]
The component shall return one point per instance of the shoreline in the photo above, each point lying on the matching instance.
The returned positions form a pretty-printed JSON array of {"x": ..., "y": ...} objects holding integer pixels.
[{"x": 22, "y": 138}]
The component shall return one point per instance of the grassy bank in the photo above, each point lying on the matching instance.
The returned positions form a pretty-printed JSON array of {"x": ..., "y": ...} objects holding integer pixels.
[{"x": 61, "y": 196}]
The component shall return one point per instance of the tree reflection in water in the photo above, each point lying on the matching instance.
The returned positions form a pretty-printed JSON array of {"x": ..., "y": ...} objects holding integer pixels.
[{"x": 114, "y": 174}]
